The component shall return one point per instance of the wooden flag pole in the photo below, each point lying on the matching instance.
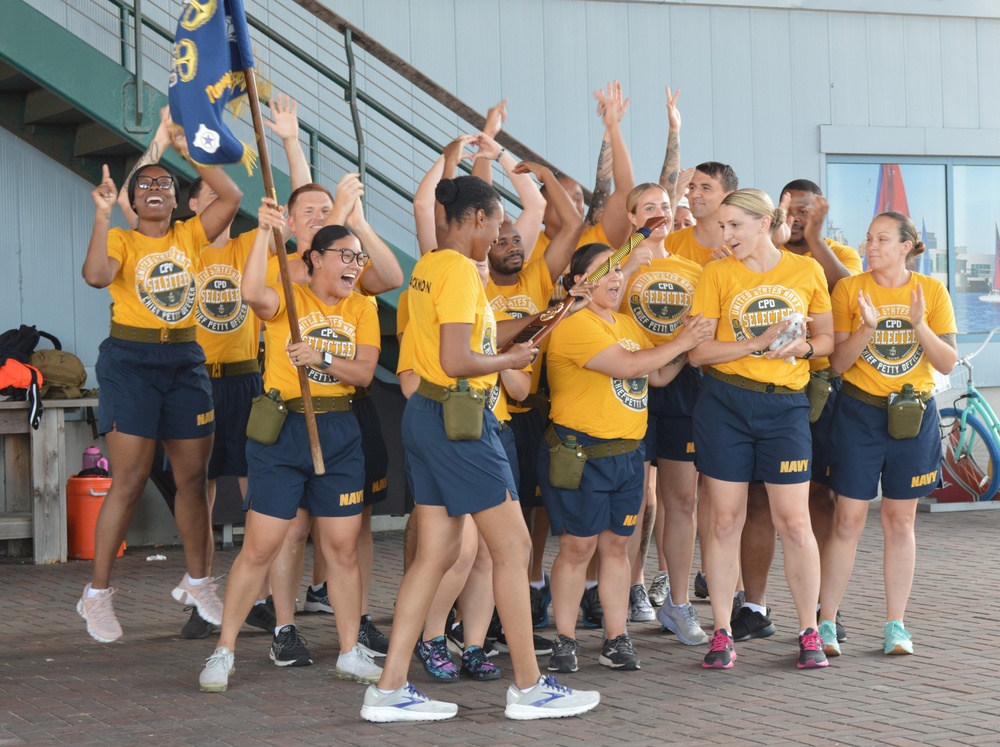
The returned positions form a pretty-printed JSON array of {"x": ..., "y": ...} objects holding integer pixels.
[{"x": 286, "y": 281}]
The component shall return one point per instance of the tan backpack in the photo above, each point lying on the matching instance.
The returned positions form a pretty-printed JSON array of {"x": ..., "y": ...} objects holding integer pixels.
[{"x": 63, "y": 373}]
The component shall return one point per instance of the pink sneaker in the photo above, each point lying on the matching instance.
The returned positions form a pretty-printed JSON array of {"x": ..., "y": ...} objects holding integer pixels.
[
  {"x": 204, "y": 596},
  {"x": 99, "y": 612}
]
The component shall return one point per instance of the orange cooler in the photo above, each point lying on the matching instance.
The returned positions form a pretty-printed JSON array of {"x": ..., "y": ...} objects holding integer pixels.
[{"x": 84, "y": 498}]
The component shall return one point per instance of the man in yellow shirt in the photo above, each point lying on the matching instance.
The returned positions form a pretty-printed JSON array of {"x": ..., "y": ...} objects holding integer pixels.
[{"x": 711, "y": 183}]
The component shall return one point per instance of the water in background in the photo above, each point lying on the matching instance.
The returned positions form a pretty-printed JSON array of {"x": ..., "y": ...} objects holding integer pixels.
[{"x": 973, "y": 315}]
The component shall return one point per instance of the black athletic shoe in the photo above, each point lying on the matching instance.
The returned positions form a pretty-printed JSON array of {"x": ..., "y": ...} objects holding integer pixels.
[
  {"x": 841, "y": 630},
  {"x": 701, "y": 585},
  {"x": 721, "y": 653},
  {"x": 262, "y": 616},
  {"x": 750, "y": 624},
  {"x": 540, "y": 600},
  {"x": 619, "y": 654},
  {"x": 289, "y": 648},
  {"x": 564, "y": 652},
  {"x": 318, "y": 601},
  {"x": 371, "y": 639},
  {"x": 198, "y": 627},
  {"x": 593, "y": 612}
]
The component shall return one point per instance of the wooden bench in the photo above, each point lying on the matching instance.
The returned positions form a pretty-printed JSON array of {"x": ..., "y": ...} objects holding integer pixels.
[{"x": 35, "y": 478}]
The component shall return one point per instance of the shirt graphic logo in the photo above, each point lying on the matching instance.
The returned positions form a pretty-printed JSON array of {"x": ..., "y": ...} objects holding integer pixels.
[
  {"x": 165, "y": 285},
  {"x": 893, "y": 349},
  {"x": 220, "y": 306},
  {"x": 517, "y": 306},
  {"x": 658, "y": 300},
  {"x": 756, "y": 309},
  {"x": 327, "y": 334},
  {"x": 633, "y": 393}
]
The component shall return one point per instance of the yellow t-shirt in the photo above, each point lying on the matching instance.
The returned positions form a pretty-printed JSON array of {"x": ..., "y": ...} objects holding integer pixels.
[
  {"x": 684, "y": 244},
  {"x": 155, "y": 286},
  {"x": 851, "y": 260},
  {"x": 447, "y": 289},
  {"x": 893, "y": 356},
  {"x": 658, "y": 296},
  {"x": 746, "y": 303},
  {"x": 528, "y": 296},
  {"x": 590, "y": 235},
  {"x": 228, "y": 330},
  {"x": 273, "y": 276},
  {"x": 589, "y": 401},
  {"x": 402, "y": 312},
  {"x": 338, "y": 329}
]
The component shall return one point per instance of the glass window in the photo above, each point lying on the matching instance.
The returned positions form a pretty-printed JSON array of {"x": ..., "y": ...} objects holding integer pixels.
[{"x": 975, "y": 287}]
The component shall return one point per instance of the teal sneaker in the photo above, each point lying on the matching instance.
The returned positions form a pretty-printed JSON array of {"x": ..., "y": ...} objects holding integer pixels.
[
  {"x": 828, "y": 632},
  {"x": 896, "y": 638}
]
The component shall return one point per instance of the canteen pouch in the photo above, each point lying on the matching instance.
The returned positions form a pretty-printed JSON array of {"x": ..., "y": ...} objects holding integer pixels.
[
  {"x": 566, "y": 463},
  {"x": 818, "y": 391},
  {"x": 906, "y": 412},
  {"x": 267, "y": 415},
  {"x": 463, "y": 412}
]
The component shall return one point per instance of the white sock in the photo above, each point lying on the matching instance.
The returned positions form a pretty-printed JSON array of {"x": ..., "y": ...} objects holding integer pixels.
[
  {"x": 196, "y": 581},
  {"x": 537, "y": 584},
  {"x": 316, "y": 587},
  {"x": 385, "y": 692},
  {"x": 277, "y": 628},
  {"x": 530, "y": 688},
  {"x": 92, "y": 592},
  {"x": 260, "y": 601},
  {"x": 590, "y": 584},
  {"x": 756, "y": 608}
]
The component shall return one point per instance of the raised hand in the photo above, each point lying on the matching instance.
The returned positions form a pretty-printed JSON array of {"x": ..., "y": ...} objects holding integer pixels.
[
  {"x": 455, "y": 150},
  {"x": 917, "y": 305},
  {"x": 673, "y": 114},
  {"x": 694, "y": 329},
  {"x": 284, "y": 115},
  {"x": 495, "y": 118},
  {"x": 869, "y": 314},
  {"x": 816, "y": 217},
  {"x": 349, "y": 191},
  {"x": 610, "y": 105},
  {"x": 583, "y": 294},
  {"x": 106, "y": 192},
  {"x": 781, "y": 235},
  {"x": 535, "y": 169},
  {"x": 487, "y": 147},
  {"x": 683, "y": 181}
]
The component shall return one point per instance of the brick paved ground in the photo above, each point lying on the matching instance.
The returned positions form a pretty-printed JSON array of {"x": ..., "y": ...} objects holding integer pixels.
[{"x": 57, "y": 686}]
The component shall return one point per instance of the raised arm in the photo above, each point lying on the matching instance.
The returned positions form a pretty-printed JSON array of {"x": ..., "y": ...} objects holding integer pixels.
[
  {"x": 99, "y": 270},
  {"x": 495, "y": 118},
  {"x": 602, "y": 181},
  {"x": 262, "y": 298},
  {"x": 672, "y": 160},
  {"x": 219, "y": 215},
  {"x": 285, "y": 124},
  {"x": 424, "y": 213},
  {"x": 161, "y": 141},
  {"x": 833, "y": 268},
  {"x": 348, "y": 194},
  {"x": 615, "y": 220},
  {"x": 561, "y": 249},
  {"x": 529, "y": 222},
  {"x": 384, "y": 273}
]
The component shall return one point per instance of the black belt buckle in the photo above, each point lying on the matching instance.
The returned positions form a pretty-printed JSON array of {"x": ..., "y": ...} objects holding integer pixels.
[{"x": 769, "y": 389}]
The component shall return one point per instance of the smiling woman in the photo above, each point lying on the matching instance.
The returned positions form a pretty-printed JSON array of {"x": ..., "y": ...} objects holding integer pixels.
[{"x": 152, "y": 375}]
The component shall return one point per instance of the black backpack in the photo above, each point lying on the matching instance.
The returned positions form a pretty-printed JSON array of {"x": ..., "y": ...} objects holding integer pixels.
[{"x": 16, "y": 346}]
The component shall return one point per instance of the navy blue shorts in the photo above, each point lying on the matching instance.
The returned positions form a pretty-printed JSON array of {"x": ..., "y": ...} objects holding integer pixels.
[
  {"x": 670, "y": 433},
  {"x": 741, "y": 436},
  {"x": 510, "y": 449},
  {"x": 281, "y": 476},
  {"x": 232, "y": 395},
  {"x": 154, "y": 391},
  {"x": 609, "y": 496},
  {"x": 528, "y": 429},
  {"x": 821, "y": 436},
  {"x": 463, "y": 476},
  {"x": 373, "y": 446},
  {"x": 866, "y": 453}
]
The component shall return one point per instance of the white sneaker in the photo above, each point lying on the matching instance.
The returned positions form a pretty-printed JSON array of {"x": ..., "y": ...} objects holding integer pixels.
[
  {"x": 549, "y": 699},
  {"x": 99, "y": 612},
  {"x": 215, "y": 676},
  {"x": 683, "y": 620},
  {"x": 357, "y": 665},
  {"x": 404, "y": 704},
  {"x": 640, "y": 610},
  {"x": 204, "y": 596}
]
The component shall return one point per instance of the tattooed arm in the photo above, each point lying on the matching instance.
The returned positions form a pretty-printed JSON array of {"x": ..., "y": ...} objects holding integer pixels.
[
  {"x": 161, "y": 141},
  {"x": 672, "y": 159},
  {"x": 602, "y": 183}
]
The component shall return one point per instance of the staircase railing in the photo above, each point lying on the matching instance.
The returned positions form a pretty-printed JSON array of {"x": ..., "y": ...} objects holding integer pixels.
[{"x": 360, "y": 106}]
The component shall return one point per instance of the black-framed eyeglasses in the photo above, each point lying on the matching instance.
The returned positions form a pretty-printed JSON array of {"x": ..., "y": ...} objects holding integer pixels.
[
  {"x": 349, "y": 255},
  {"x": 162, "y": 182}
]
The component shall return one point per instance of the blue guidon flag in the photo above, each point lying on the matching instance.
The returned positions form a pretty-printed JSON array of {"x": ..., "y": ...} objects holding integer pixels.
[{"x": 211, "y": 51}]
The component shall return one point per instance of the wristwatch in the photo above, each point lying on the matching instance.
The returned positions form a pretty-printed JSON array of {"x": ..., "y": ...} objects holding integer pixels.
[
  {"x": 328, "y": 359},
  {"x": 805, "y": 357}
]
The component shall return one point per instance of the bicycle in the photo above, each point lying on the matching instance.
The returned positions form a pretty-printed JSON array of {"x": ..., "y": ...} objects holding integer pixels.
[{"x": 970, "y": 435}]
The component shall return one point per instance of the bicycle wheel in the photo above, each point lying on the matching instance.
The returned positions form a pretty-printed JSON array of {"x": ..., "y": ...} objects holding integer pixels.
[{"x": 976, "y": 467}]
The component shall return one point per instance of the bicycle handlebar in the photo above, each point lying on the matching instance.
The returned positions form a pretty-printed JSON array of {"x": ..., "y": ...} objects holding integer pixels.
[{"x": 967, "y": 359}]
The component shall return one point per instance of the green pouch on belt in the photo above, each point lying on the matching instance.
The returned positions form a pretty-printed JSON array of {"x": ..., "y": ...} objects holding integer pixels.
[
  {"x": 906, "y": 412},
  {"x": 818, "y": 391},
  {"x": 267, "y": 415},
  {"x": 463, "y": 412},
  {"x": 566, "y": 463}
]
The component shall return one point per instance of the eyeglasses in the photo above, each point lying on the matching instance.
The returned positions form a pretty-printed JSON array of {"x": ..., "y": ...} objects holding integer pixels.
[
  {"x": 162, "y": 182},
  {"x": 349, "y": 255}
]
